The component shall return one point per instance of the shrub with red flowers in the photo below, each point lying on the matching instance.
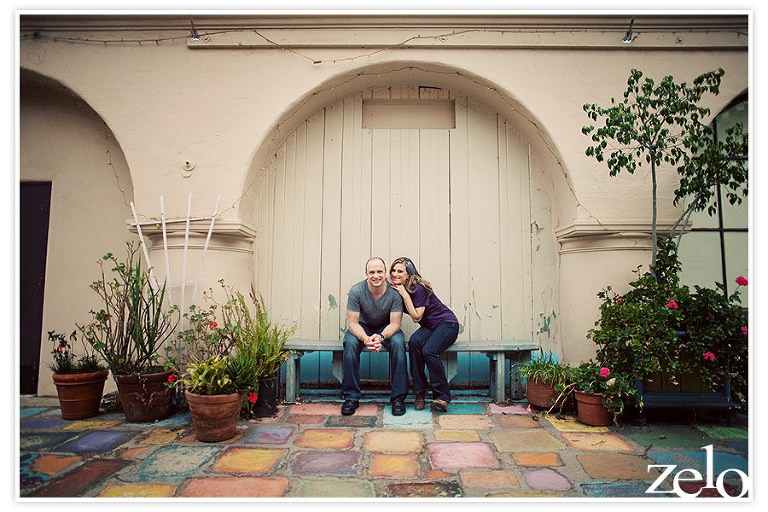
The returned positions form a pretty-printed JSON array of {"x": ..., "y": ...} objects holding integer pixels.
[
  {"x": 661, "y": 328},
  {"x": 66, "y": 360}
]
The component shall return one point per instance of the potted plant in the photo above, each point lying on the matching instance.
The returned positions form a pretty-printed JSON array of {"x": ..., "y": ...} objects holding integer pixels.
[
  {"x": 249, "y": 327},
  {"x": 129, "y": 333},
  {"x": 601, "y": 395},
  {"x": 545, "y": 380},
  {"x": 79, "y": 379},
  {"x": 216, "y": 372}
]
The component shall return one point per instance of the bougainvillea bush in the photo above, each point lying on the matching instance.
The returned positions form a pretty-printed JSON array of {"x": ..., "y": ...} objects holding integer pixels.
[{"x": 661, "y": 328}]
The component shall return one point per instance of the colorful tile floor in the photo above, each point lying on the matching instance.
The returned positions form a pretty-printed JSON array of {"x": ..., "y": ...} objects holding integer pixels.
[{"x": 476, "y": 450}]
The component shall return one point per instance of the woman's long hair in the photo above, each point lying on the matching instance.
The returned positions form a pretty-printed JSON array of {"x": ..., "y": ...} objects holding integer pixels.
[{"x": 414, "y": 277}]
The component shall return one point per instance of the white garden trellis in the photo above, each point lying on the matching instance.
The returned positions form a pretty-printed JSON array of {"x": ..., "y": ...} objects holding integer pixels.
[{"x": 153, "y": 282}]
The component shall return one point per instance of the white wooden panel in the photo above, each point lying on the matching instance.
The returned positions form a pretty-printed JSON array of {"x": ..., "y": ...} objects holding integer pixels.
[
  {"x": 311, "y": 300},
  {"x": 484, "y": 224},
  {"x": 461, "y": 300},
  {"x": 278, "y": 234},
  {"x": 329, "y": 153},
  {"x": 380, "y": 166}
]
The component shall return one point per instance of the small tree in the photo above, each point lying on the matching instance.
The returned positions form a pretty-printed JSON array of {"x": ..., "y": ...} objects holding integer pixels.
[{"x": 664, "y": 124}]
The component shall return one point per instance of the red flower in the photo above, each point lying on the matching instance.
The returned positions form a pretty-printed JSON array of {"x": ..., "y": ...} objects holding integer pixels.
[
  {"x": 709, "y": 356},
  {"x": 742, "y": 281},
  {"x": 213, "y": 324},
  {"x": 172, "y": 377},
  {"x": 672, "y": 304},
  {"x": 252, "y": 397}
]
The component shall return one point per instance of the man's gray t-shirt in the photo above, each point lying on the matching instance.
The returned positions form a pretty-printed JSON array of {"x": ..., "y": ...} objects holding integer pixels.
[{"x": 373, "y": 313}]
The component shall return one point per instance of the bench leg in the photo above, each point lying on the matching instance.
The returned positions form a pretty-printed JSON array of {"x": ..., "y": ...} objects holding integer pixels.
[
  {"x": 516, "y": 390},
  {"x": 337, "y": 365},
  {"x": 449, "y": 363},
  {"x": 292, "y": 374}
]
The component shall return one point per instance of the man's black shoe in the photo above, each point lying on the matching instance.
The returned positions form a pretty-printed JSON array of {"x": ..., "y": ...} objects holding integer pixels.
[
  {"x": 398, "y": 407},
  {"x": 349, "y": 407}
]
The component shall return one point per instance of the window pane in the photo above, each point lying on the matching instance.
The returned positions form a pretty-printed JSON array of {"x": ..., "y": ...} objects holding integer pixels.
[
  {"x": 700, "y": 255},
  {"x": 734, "y": 216}
]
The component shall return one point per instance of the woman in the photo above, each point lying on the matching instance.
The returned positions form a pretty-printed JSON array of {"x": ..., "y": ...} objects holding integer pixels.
[{"x": 438, "y": 330}]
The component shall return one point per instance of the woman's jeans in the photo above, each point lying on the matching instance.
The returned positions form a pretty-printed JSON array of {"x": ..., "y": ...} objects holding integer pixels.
[
  {"x": 350, "y": 382},
  {"x": 425, "y": 347}
]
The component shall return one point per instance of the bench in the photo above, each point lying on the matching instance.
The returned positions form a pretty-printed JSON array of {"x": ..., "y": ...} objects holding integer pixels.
[{"x": 497, "y": 351}]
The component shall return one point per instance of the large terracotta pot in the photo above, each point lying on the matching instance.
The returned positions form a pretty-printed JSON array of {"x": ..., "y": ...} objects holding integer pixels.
[
  {"x": 145, "y": 397},
  {"x": 80, "y": 393},
  {"x": 591, "y": 411},
  {"x": 215, "y": 416}
]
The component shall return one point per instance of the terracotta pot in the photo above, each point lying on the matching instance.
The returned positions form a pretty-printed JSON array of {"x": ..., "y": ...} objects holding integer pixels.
[
  {"x": 540, "y": 393},
  {"x": 80, "y": 393},
  {"x": 591, "y": 411},
  {"x": 145, "y": 397},
  {"x": 215, "y": 416}
]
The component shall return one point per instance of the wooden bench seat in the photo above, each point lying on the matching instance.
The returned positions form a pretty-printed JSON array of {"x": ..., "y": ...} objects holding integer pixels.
[{"x": 498, "y": 351}]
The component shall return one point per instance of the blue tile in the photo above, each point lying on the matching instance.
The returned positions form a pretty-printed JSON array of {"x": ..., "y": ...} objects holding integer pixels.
[
  {"x": 29, "y": 411},
  {"x": 697, "y": 460},
  {"x": 42, "y": 424},
  {"x": 618, "y": 490},
  {"x": 96, "y": 441},
  {"x": 459, "y": 408}
]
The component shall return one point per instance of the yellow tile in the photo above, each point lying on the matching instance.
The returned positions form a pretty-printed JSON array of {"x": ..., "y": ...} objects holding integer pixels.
[
  {"x": 161, "y": 436},
  {"x": 247, "y": 461},
  {"x": 394, "y": 466},
  {"x": 393, "y": 441},
  {"x": 88, "y": 425},
  {"x": 456, "y": 435},
  {"x": 325, "y": 438},
  {"x": 571, "y": 424},
  {"x": 138, "y": 491}
]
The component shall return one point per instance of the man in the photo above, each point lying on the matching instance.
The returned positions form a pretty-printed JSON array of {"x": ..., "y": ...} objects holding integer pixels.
[{"x": 374, "y": 313}]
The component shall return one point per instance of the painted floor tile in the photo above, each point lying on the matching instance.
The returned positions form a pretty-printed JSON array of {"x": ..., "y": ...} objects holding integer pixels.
[
  {"x": 331, "y": 409},
  {"x": 271, "y": 434},
  {"x": 38, "y": 468},
  {"x": 537, "y": 459},
  {"x": 305, "y": 419},
  {"x": 171, "y": 464},
  {"x": 720, "y": 432},
  {"x": 425, "y": 490},
  {"x": 721, "y": 461},
  {"x": 79, "y": 480},
  {"x": 43, "y": 441},
  {"x": 502, "y": 479},
  {"x": 668, "y": 436},
  {"x": 96, "y": 441},
  {"x": 462, "y": 455},
  {"x": 515, "y": 421},
  {"x": 160, "y": 436},
  {"x": 571, "y": 424},
  {"x": 508, "y": 409},
  {"x": 615, "y": 466},
  {"x": 229, "y": 487},
  {"x": 456, "y": 435},
  {"x": 617, "y": 490},
  {"x": 389, "y": 465},
  {"x": 325, "y": 438},
  {"x": 352, "y": 421},
  {"x": 546, "y": 479},
  {"x": 459, "y": 408},
  {"x": 334, "y": 488},
  {"x": 329, "y": 463},
  {"x": 466, "y": 422},
  {"x": 248, "y": 461},
  {"x": 393, "y": 441},
  {"x": 538, "y": 440},
  {"x": 41, "y": 424},
  {"x": 411, "y": 419},
  {"x": 602, "y": 442},
  {"x": 138, "y": 491},
  {"x": 91, "y": 424},
  {"x": 31, "y": 411}
]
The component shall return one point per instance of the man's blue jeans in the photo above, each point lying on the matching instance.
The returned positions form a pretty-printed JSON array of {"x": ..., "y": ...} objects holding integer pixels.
[
  {"x": 350, "y": 382},
  {"x": 425, "y": 347}
]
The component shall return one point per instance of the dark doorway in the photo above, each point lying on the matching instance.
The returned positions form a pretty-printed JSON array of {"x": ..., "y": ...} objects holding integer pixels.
[{"x": 34, "y": 210}]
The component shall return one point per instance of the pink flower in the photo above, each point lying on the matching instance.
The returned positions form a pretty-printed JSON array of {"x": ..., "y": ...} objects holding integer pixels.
[
  {"x": 709, "y": 356},
  {"x": 605, "y": 371},
  {"x": 529, "y": 408},
  {"x": 744, "y": 330},
  {"x": 742, "y": 281},
  {"x": 672, "y": 304}
]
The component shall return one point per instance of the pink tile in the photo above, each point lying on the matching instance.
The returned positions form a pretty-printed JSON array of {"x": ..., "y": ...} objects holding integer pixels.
[{"x": 462, "y": 455}]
